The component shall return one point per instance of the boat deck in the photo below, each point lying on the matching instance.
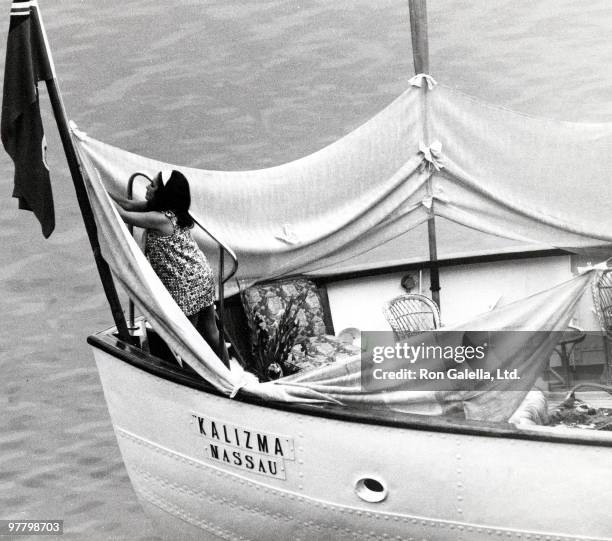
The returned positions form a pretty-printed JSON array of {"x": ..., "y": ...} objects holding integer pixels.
[{"x": 595, "y": 399}]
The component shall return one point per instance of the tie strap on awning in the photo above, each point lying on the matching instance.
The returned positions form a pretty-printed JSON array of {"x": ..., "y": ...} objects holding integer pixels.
[
  {"x": 418, "y": 79},
  {"x": 432, "y": 156},
  {"x": 438, "y": 195}
]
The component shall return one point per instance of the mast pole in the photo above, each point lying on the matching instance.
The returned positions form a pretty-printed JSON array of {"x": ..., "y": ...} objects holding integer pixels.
[
  {"x": 420, "y": 54},
  {"x": 418, "y": 32},
  {"x": 59, "y": 112}
]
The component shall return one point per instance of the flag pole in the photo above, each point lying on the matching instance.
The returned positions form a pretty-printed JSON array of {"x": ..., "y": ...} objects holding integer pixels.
[
  {"x": 420, "y": 54},
  {"x": 59, "y": 112}
]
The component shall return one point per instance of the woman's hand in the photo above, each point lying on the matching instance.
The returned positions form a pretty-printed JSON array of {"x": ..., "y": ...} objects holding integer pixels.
[
  {"x": 147, "y": 220},
  {"x": 128, "y": 204}
]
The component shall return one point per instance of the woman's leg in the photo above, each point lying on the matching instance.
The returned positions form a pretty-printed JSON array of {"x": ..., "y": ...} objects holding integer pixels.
[{"x": 206, "y": 324}]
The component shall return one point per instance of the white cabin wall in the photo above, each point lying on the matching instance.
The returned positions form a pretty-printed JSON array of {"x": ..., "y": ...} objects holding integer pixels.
[
  {"x": 467, "y": 290},
  {"x": 358, "y": 303}
]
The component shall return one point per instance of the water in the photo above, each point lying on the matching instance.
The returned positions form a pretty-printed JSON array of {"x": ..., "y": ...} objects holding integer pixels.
[{"x": 224, "y": 84}]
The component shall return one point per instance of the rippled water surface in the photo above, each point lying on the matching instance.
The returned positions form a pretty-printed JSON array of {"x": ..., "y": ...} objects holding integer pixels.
[{"x": 225, "y": 85}]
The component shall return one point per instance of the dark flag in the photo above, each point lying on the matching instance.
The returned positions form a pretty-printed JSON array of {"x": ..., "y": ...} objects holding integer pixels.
[{"x": 27, "y": 63}]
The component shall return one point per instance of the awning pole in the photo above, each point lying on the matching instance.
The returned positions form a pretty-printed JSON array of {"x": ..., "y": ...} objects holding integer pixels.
[
  {"x": 418, "y": 32},
  {"x": 420, "y": 54},
  {"x": 59, "y": 112}
]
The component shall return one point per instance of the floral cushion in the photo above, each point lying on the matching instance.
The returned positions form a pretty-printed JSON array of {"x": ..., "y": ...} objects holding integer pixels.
[
  {"x": 318, "y": 351},
  {"x": 270, "y": 299}
]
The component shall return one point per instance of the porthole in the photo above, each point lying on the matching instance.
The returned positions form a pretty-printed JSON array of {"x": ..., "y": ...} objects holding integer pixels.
[{"x": 371, "y": 489}]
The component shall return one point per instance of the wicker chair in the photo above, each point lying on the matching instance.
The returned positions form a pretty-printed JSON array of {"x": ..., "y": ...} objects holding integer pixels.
[
  {"x": 411, "y": 314},
  {"x": 602, "y": 300}
]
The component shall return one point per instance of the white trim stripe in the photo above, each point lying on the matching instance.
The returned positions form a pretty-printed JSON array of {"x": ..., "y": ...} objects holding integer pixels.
[{"x": 23, "y": 8}]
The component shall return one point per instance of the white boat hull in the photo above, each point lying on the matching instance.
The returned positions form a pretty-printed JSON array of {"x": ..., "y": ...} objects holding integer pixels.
[{"x": 441, "y": 486}]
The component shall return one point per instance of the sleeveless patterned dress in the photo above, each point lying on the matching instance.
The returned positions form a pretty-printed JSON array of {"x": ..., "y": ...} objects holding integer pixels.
[{"x": 181, "y": 266}]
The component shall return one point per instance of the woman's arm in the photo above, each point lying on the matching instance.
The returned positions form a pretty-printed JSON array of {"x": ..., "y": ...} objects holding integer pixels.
[
  {"x": 128, "y": 204},
  {"x": 147, "y": 220}
]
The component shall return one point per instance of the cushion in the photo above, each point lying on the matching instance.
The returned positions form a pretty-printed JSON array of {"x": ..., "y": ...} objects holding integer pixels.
[
  {"x": 318, "y": 351},
  {"x": 271, "y": 298}
]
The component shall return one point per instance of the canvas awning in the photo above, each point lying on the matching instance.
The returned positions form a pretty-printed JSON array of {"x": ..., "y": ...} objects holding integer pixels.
[
  {"x": 499, "y": 182},
  {"x": 546, "y": 312},
  {"x": 507, "y": 183}
]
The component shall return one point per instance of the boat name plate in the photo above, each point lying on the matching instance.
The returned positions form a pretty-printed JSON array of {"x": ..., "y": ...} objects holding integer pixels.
[{"x": 243, "y": 447}]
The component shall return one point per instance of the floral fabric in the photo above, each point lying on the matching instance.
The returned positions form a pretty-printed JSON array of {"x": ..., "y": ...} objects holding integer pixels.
[
  {"x": 320, "y": 351},
  {"x": 181, "y": 266},
  {"x": 313, "y": 347},
  {"x": 269, "y": 300}
]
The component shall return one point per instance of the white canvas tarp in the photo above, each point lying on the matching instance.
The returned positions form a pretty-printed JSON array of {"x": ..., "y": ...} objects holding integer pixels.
[
  {"x": 509, "y": 183},
  {"x": 515, "y": 182},
  {"x": 340, "y": 383}
]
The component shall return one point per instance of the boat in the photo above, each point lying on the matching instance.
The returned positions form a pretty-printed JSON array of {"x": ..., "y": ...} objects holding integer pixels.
[{"x": 214, "y": 454}]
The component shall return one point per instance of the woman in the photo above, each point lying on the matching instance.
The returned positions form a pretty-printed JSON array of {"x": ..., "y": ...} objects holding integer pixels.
[{"x": 173, "y": 253}]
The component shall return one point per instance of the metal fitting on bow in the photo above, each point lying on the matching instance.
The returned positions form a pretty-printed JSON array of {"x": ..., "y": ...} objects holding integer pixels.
[
  {"x": 432, "y": 156},
  {"x": 417, "y": 80}
]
